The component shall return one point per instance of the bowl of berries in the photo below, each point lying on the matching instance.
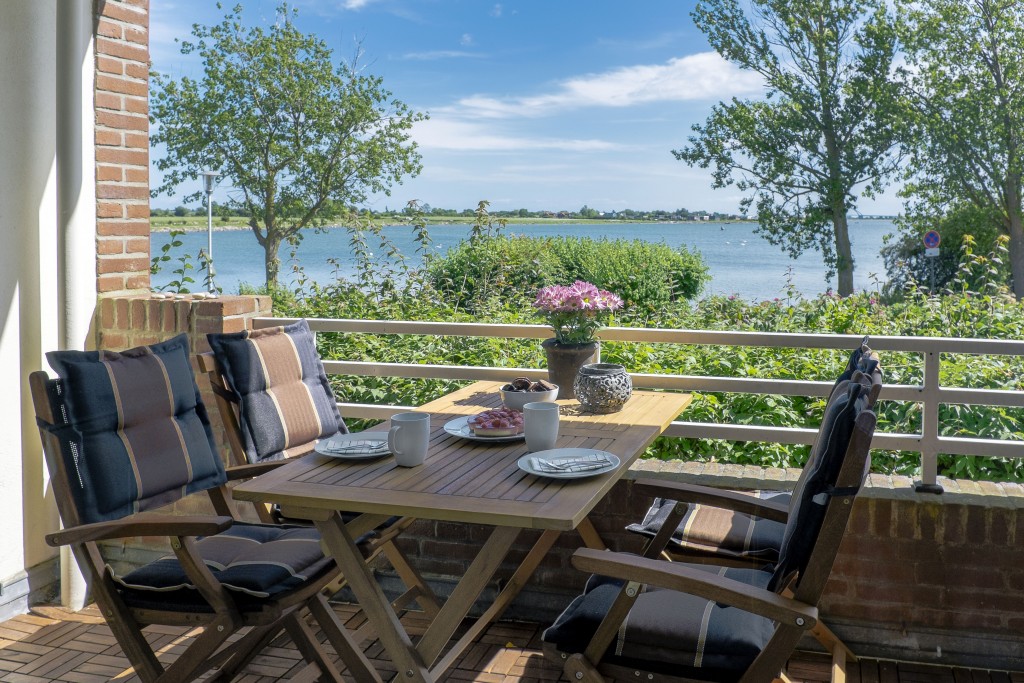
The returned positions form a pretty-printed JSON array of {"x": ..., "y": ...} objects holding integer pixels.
[{"x": 522, "y": 390}]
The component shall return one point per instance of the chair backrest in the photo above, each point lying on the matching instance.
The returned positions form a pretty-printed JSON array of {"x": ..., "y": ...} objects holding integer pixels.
[
  {"x": 864, "y": 361},
  {"x": 124, "y": 432},
  {"x": 275, "y": 381},
  {"x": 836, "y": 469}
]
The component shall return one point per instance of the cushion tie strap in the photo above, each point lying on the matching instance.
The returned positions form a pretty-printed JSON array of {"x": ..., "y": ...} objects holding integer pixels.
[
  {"x": 224, "y": 393},
  {"x": 835, "y": 492},
  {"x": 64, "y": 431}
]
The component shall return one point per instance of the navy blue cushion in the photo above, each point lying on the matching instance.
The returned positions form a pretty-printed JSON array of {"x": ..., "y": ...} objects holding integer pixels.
[
  {"x": 138, "y": 436},
  {"x": 254, "y": 561},
  {"x": 285, "y": 401},
  {"x": 669, "y": 632},
  {"x": 808, "y": 504}
]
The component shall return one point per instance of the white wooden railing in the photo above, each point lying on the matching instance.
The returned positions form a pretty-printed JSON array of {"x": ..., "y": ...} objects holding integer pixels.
[{"x": 930, "y": 395}]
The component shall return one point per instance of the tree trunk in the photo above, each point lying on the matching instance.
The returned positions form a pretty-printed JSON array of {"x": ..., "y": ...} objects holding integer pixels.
[
  {"x": 271, "y": 260},
  {"x": 1016, "y": 228},
  {"x": 844, "y": 253}
]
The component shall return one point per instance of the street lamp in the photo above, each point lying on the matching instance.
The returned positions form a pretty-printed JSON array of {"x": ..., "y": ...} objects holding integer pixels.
[{"x": 210, "y": 182}]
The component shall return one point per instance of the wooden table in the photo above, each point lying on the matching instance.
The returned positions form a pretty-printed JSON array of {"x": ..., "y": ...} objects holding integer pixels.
[{"x": 462, "y": 481}]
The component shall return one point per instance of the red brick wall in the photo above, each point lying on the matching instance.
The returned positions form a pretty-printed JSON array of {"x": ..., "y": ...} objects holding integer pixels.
[{"x": 122, "y": 145}]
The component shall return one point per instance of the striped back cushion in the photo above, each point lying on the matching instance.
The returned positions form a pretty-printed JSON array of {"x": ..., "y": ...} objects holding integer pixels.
[
  {"x": 285, "y": 402},
  {"x": 141, "y": 436}
]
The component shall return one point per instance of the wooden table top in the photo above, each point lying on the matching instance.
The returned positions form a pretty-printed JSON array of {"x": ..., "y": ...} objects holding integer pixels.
[{"x": 470, "y": 481}]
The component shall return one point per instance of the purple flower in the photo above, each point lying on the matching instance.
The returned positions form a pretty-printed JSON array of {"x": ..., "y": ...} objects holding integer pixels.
[{"x": 574, "y": 310}]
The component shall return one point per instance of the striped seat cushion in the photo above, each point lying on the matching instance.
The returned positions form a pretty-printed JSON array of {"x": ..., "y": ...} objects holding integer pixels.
[
  {"x": 719, "y": 532},
  {"x": 254, "y": 561},
  {"x": 669, "y": 632},
  {"x": 285, "y": 402},
  {"x": 137, "y": 433}
]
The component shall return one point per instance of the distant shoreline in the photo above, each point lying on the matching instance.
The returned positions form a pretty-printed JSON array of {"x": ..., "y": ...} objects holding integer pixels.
[{"x": 198, "y": 224}]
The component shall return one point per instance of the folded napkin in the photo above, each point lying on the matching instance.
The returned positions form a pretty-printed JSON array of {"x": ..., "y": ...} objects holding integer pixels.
[
  {"x": 575, "y": 463},
  {"x": 355, "y": 446}
]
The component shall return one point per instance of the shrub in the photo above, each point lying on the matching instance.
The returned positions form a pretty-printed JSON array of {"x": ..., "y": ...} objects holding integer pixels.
[
  {"x": 906, "y": 264},
  {"x": 646, "y": 275}
]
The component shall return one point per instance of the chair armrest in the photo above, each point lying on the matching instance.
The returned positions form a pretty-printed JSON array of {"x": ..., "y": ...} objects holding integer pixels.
[
  {"x": 236, "y": 472},
  {"x": 712, "y": 497},
  {"x": 150, "y": 525},
  {"x": 675, "y": 576}
]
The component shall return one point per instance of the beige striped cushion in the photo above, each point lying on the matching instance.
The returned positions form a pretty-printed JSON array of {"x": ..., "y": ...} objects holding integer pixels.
[{"x": 285, "y": 401}]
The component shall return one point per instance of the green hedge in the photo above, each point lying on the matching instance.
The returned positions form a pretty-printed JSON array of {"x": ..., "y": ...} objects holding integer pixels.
[{"x": 648, "y": 276}]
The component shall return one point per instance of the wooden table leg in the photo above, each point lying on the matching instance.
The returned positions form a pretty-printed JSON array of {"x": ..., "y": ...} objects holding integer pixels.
[
  {"x": 589, "y": 534},
  {"x": 502, "y": 601},
  {"x": 373, "y": 601},
  {"x": 466, "y": 592}
]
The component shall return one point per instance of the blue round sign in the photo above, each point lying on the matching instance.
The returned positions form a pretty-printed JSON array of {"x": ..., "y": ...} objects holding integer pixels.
[{"x": 932, "y": 239}]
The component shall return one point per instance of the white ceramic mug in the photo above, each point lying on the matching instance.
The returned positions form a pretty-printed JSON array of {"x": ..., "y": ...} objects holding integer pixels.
[
  {"x": 540, "y": 422},
  {"x": 409, "y": 438}
]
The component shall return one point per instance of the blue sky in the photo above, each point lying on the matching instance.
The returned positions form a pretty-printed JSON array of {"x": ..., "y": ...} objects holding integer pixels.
[{"x": 537, "y": 104}]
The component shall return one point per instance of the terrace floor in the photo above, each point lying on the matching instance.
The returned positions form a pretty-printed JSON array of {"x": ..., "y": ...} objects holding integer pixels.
[{"x": 50, "y": 644}]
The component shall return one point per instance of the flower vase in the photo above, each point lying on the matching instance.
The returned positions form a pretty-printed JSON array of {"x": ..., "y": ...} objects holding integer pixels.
[{"x": 565, "y": 360}]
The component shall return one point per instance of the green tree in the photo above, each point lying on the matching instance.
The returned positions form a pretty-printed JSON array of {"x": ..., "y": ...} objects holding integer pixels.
[
  {"x": 965, "y": 60},
  {"x": 826, "y": 129},
  {"x": 287, "y": 128}
]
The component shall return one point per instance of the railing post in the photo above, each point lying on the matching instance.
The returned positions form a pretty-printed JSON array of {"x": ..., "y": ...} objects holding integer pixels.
[{"x": 930, "y": 426}]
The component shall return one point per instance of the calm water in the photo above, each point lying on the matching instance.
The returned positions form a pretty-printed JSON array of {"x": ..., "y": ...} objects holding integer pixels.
[{"x": 740, "y": 262}]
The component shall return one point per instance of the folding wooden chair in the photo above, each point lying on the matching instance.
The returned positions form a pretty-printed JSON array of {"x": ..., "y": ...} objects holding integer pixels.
[
  {"x": 744, "y": 529},
  {"x": 125, "y": 434},
  {"x": 641, "y": 616},
  {"x": 275, "y": 403}
]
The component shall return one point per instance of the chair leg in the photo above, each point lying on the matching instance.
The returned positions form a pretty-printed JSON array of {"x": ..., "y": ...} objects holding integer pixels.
[
  {"x": 121, "y": 623},
  {"x": 418, "y": 588},
  {"x": 237, "y": 656},
  {"x": 831, "y": 642},
  {"x": 578, "y": 669},
  {"x": 353, "y": 657},
  {"x": 196, "y": 658},
  {"x": 839, "y": 663},
  {"x": 305, "y": 640}
]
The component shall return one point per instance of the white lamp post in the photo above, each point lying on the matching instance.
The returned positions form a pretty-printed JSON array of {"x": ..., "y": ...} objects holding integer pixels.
[{"x": 210, "y": 182}]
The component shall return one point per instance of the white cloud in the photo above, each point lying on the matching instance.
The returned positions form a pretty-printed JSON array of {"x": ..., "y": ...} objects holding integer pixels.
[
  {"x": 165, "y": 29},
  {"x": 703, "y": 76},
  {"x": 451, "y": 134},
  {"x": 466, "y": 39},
  {"x": 356, "y": 4},
  {"x": 496, "y": 11}
]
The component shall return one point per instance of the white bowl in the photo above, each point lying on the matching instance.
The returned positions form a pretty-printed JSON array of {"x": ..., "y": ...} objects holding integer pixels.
[{"x": 517, "y": 399}]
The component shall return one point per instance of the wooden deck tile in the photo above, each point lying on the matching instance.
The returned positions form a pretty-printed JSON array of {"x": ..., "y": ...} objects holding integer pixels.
[{"x": 43, "y": 648}]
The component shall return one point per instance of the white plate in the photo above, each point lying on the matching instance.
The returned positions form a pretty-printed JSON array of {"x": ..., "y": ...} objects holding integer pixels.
[
  {"x": 354, "y": 446},
  {"x": 569, "y": 454},
  {"x": 460, "y": 427}
]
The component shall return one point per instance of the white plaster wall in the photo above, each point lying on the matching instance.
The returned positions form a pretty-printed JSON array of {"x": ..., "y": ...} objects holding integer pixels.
[{"x": 28, "y": 271}]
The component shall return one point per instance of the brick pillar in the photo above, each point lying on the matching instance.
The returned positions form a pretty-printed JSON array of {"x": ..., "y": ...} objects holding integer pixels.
[{"x": 122, "y": 145}]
